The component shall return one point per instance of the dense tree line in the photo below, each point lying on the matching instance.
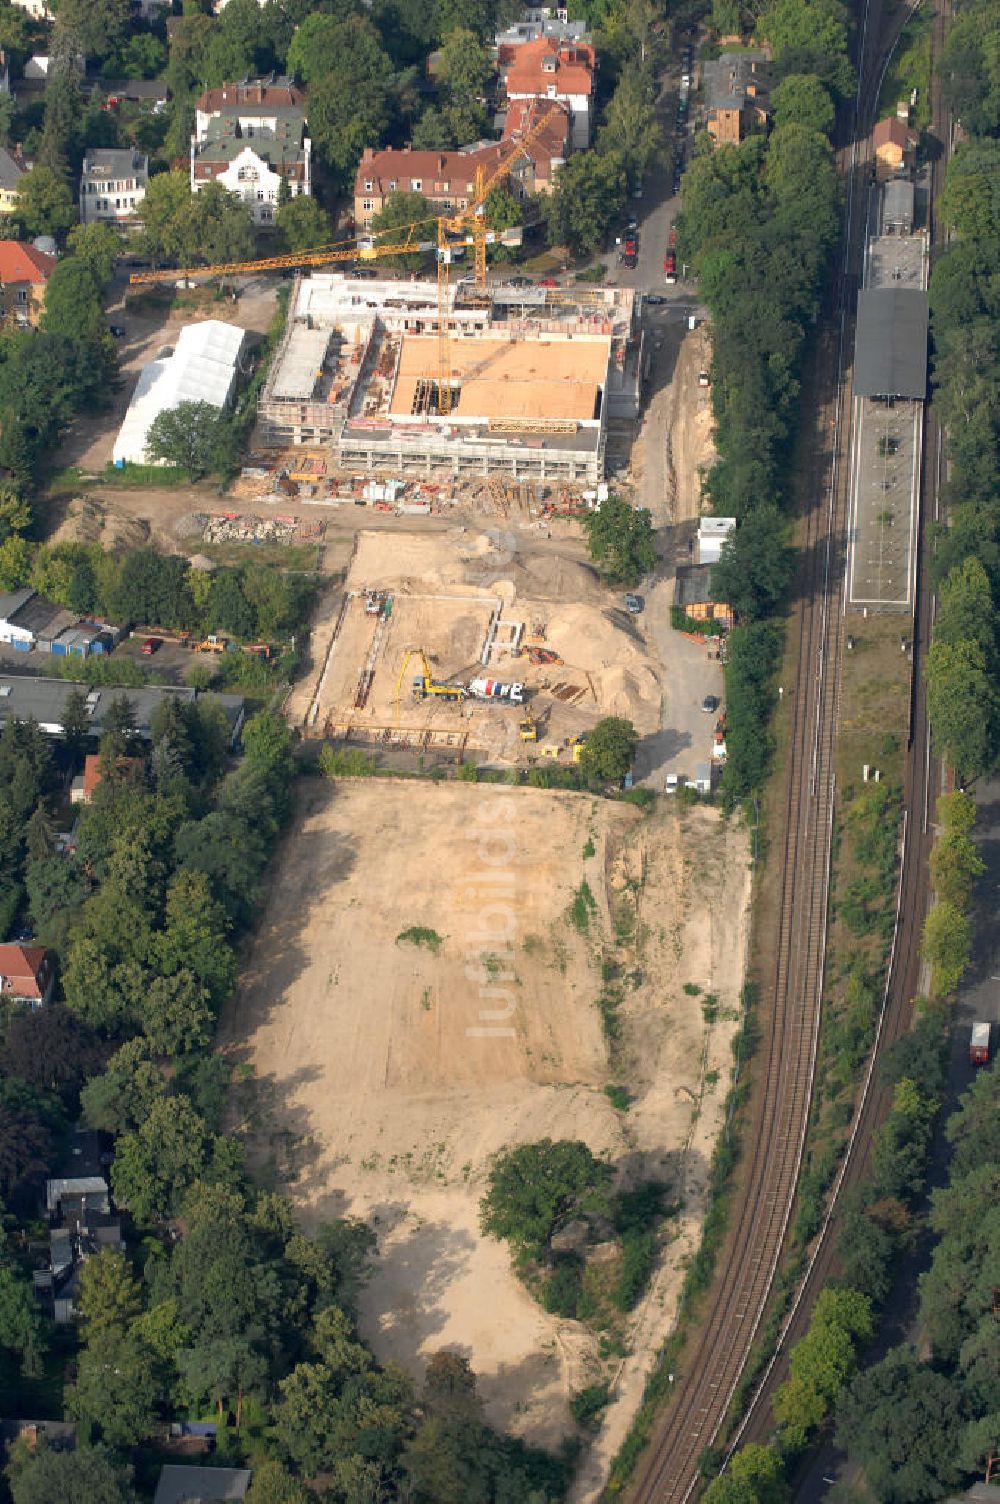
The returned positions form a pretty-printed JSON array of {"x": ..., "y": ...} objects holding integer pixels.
[
  {"x": 249, "y": 601},
  {"x": 963, "y": 661},
  {"x": 757, "y": 226},
  {"x": 221, "y": 1307}
]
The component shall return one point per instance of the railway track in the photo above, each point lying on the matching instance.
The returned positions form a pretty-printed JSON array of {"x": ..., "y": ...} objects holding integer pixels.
[
  {"x": 668, "y": 1473},
  {"x": 902, "y": 982}
]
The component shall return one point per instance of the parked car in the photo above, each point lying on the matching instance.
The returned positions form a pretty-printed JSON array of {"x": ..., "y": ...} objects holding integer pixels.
[
  {"x": 150, "y": 646},
  {"x": 117, "y": 331},
  {"x": 654, "y": 299},
  {"x": 710, "y": 704},
  {"x": 634, "y": 604},
  {"x": 548, "y": 282},
  {"x": 519, "y": 281}
]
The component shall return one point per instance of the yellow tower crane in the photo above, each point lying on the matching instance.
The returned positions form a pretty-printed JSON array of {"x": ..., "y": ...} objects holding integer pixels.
[{"x": 471, "y": 221}]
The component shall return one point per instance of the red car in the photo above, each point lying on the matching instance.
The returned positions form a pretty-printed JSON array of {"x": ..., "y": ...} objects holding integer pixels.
[
  {"x": 548, "y": 282},
  {"x": 150, "y": 646}
]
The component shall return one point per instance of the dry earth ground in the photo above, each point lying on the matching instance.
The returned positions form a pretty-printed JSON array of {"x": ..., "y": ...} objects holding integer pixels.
[{"x": 387, "y": 1072}]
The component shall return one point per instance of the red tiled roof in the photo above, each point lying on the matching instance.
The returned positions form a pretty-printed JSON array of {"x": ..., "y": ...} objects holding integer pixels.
[
  {"x": 458, "y": 168},
  {"x": 20, "y": 262},
  {"x": 260, "y": 95},
  {"x": 893, "y": 131},
  {"x": 552, "y": 140},
  {"x": 92, "y": 770},
  {"x": 573, "y": 72},
  {"x": 21, "y": 966}
]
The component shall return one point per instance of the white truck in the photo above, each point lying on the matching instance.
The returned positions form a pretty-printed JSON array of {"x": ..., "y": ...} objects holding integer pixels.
[{"x": 495, "y": 692}]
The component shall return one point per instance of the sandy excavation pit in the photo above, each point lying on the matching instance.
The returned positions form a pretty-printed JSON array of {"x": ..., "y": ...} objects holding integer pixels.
[
  {"x": 388, "y": 1072},
  {"x": 446, "y": 589}
]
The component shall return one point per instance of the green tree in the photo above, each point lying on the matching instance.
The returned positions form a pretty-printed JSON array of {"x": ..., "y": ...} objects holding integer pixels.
[
  {"x": 110, "y": 1296},
  {"x": 44, "y": 205},
  {"x": 195, "y": 436},
  {"x": 754, "y": 572},
  {"x": 98, "y": 246},
  {"x": 900, "y": 1420},
  {"x": 534, "y": 1189},
  {"x": 392, "y": 227},
  {"x": 303, "y": 224},
  {"x": 609, "y": 751},
  {"x": 51, "y": 1050},
  {"x": 73, "y": 303},
  {"x": 955, "y": 864},
  {"x": 962, "y": 704},
  {"x": 271, "y": 1484},
  {"x": 802, "y": 99},
  {"x": 969, "y": 69},
  {"x": 464, "y": 67},
  {"x": 755, "y": 1475},
  {"x": 116, "y": 1389},
  {"x": 157, "y": 1161},
  {"x": 93, "y": 27},
  {"x": 122, "y": 1097},
  {"x": 630, "y": 123},
  {"x": 349, "y": 76},
  {"x": 589, "y": 194},
  {"x": 20, "y": 1323},
  {"x": 85, "y": 1475},
  {"x": 620, "y": 539},
  {"x": 177, "y": 1016},
  {"x": 969, "y": 201},
  {"x": 946, "y": 946},
  {"x": 813, "y": 33}
]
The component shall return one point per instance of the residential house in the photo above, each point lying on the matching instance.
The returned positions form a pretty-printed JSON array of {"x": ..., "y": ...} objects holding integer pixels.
[
  {"x": 895, "y": 143},
  {"x": 24, "y": 273},
  {"x": 557, "y": 28},
  {"x": 112, "y": 185},
  {"x": 27, "y": 974},
  {"x": 12, "y": 170},
  {"x": 251, "y": 137},
  {"x": 201, "y": 1485},
  {"x": 447, "y": 179},
  {"x": 57, "y": 1285},
  {"x": 84, "y": 784},
  {"x": 544, "y": 69},
  {"x": 736, "y": 95},
  {"x": 79, "y": 1192}
]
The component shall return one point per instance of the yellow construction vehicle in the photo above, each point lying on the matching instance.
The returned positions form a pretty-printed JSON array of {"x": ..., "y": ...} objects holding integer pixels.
[
  {"x": 424, "y": 683},
  {"x": 527, "y": 727},
  {"x": 213, "y": 644}
]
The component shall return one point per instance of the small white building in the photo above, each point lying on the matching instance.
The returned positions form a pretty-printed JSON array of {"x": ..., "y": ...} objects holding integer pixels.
[
  {"x": 712, "y": 534},
  {"x": 204, "y": 367},
  {"x": 112, "y": 185},
  {"x": 38, "y": 10}
]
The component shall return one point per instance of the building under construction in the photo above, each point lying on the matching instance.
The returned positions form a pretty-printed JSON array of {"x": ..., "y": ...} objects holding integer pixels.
[{"x": 521, "y": 383}]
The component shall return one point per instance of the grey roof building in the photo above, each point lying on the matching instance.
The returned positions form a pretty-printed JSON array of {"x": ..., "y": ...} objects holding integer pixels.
[
  {"x": 44, "y": 701},
  {"x": 890, "y": 347},
  {"x": 112, "y": 184},
  {"x": 201, "y": 1485},
  {"x": 898, "y": 196}
]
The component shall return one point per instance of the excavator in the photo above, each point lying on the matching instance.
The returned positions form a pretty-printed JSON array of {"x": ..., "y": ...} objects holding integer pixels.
[
  {"x": 424, "y": 683},
  {"x": 527, "y": 727}
]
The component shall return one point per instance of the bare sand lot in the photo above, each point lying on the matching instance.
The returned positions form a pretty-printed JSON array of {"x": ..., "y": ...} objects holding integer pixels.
[
  {"x": 418, "y": 996},
  {"x": 454, "y": 595}
]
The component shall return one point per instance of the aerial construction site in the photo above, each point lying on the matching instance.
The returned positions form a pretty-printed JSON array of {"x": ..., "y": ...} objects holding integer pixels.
[
  {"x": 460, "y": 640},
  {"x": 518, "y": 380}
]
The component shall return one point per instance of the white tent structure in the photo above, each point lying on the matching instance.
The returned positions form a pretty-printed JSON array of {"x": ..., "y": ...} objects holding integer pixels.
[{"x": 203, "y": 368}]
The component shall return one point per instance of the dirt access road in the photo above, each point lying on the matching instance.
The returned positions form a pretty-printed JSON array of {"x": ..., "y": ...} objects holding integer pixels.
[{"x": 388, "y": 1072}]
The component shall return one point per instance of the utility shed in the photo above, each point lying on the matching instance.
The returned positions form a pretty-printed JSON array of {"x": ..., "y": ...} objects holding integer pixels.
[
  {"x": 890, "y": 347},
  {"x": 201, "y": 1485},
  {"x": 204, "y": 367}
]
